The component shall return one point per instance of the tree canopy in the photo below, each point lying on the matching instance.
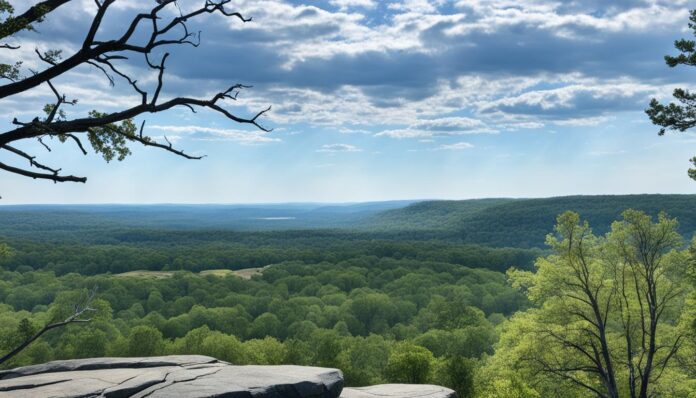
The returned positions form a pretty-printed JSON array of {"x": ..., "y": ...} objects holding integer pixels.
[
  {"x": 679, "y": 116},
  {"x": 609, "y": 317}
]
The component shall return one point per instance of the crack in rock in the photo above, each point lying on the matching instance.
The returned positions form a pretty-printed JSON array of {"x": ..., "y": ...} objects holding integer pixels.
[
  {"x": 190, "y": 377},
  {"x": 32, "y": 385},
  {"x": 173, "y": 382}
]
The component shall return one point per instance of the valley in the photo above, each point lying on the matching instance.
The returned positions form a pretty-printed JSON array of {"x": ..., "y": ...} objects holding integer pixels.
[{"x": 351, "y": 286}]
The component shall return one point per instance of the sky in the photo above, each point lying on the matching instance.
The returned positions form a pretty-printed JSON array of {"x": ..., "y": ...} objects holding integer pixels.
[{"x": 379, "y": 100}]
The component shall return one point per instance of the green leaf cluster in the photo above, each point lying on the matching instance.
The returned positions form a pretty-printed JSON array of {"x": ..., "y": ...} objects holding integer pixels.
[{"x": 111, "y": 140}]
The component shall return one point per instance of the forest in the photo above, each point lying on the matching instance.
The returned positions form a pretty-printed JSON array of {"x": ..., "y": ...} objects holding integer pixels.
[{"x": 391, "y": 304}]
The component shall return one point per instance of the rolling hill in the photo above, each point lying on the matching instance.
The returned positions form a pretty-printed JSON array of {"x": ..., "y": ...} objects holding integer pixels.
[
  {"x": 525, "y": 222},
  {"x": 498, "y": 222}
]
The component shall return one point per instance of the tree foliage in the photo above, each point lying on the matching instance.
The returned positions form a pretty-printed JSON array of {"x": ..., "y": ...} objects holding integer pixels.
[
  {"x": 410, "y": 364},
  {"x": 607, "y": 316},
  {"x": 679, "y": 116}
]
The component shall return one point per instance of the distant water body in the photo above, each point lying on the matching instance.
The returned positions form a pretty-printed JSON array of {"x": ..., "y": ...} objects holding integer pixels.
[{"x": 276, "y": 218}]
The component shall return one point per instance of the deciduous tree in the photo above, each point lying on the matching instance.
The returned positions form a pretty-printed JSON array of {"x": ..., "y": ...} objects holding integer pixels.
[
  {"x": 607, "y": 310},
  {"x": 409, "y": 363}
]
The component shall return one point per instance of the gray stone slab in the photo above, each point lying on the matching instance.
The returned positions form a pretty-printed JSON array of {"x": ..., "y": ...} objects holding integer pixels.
[
  {"x": 106, "y": 363},
  {"x": 399, "y": 391},
  {"x": 178, "y": 376},
  {"x": 252, "y": 381}
]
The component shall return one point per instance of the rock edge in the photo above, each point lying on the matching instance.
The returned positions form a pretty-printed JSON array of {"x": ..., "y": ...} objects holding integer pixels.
[{"x": 193, "y": 376}]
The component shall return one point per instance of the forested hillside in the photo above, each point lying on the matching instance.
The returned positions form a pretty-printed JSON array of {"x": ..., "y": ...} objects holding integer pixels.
[
  {"x": 525, "y": 222},
  {"x": 435, "y": 215}
]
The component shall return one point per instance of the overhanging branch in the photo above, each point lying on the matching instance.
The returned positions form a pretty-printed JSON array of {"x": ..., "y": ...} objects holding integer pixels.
[
  {"x": 35, "y": 13},
  {"x": 109, "y": 133},
  {"x": 42, "y": 176}
]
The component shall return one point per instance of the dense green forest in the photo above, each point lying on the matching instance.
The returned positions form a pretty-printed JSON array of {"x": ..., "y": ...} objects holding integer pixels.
[
  {"x": 349, "y": 314},
  {"x": 401, "y": 302},
  {"x": 125, "y": 251}
]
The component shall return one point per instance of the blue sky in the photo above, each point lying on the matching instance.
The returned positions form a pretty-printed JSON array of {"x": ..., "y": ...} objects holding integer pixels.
[{"x": 377, "y": 100}]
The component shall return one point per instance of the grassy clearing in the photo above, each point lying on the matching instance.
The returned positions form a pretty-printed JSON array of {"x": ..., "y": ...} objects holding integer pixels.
[
  {"x": 217, "y": 272},
  {"x": 146, "y": 274},
  {"x": 246, "y": 273}
]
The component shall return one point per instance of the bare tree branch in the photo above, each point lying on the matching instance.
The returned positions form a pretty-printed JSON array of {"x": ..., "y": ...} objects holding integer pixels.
[
  {"x": 93, "y": 49},
  {"x": 108, "y": 133},
  {"x": 53, "y": 177},
  {"x": 77, "y": 317}
]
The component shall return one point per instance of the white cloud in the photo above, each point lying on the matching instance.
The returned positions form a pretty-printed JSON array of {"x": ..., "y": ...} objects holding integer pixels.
[
  {"x": 551, "y": 16},
  {"x": 449, "y": 124},
  {"x": 332, "y": 148},
  {"x": 345, "y": 4},
  {"x": 404, "y": 133},
  {"x": 164, "y": 138},
  {"x": 440, "y": 127},
  {"x": 458, "y": 146},
  {"x": 301, "y": 33},
  {"x": 346, "y": 130},
  {"x": 587, "y": 121},
  {"x": 201, "y": 133},
  {"x": 570, "y": 101},
  {"x": 416, "y": 6}
]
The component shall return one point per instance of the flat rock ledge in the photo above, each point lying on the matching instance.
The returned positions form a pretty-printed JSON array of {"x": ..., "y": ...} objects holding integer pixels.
[
  {"x": 192, "y": 376},
  {"x": 399, "y": 391}
]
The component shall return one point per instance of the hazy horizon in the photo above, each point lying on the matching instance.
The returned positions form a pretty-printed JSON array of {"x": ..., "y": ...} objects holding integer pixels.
[{"x": 315, "y": 203}]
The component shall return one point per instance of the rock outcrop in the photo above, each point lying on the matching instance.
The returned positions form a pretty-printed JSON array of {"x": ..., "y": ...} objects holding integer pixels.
[
  {"x": 398, "y": 391},
  {"x": 178, "y": 376},
  {"x": 191, "y": 376}
]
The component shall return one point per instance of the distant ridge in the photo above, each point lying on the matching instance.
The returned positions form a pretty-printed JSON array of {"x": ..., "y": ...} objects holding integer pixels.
[
  {"x": 21, "y": 219},
  {"x": 498, "y": 222},
  {"x": 526, "y": 222}
]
